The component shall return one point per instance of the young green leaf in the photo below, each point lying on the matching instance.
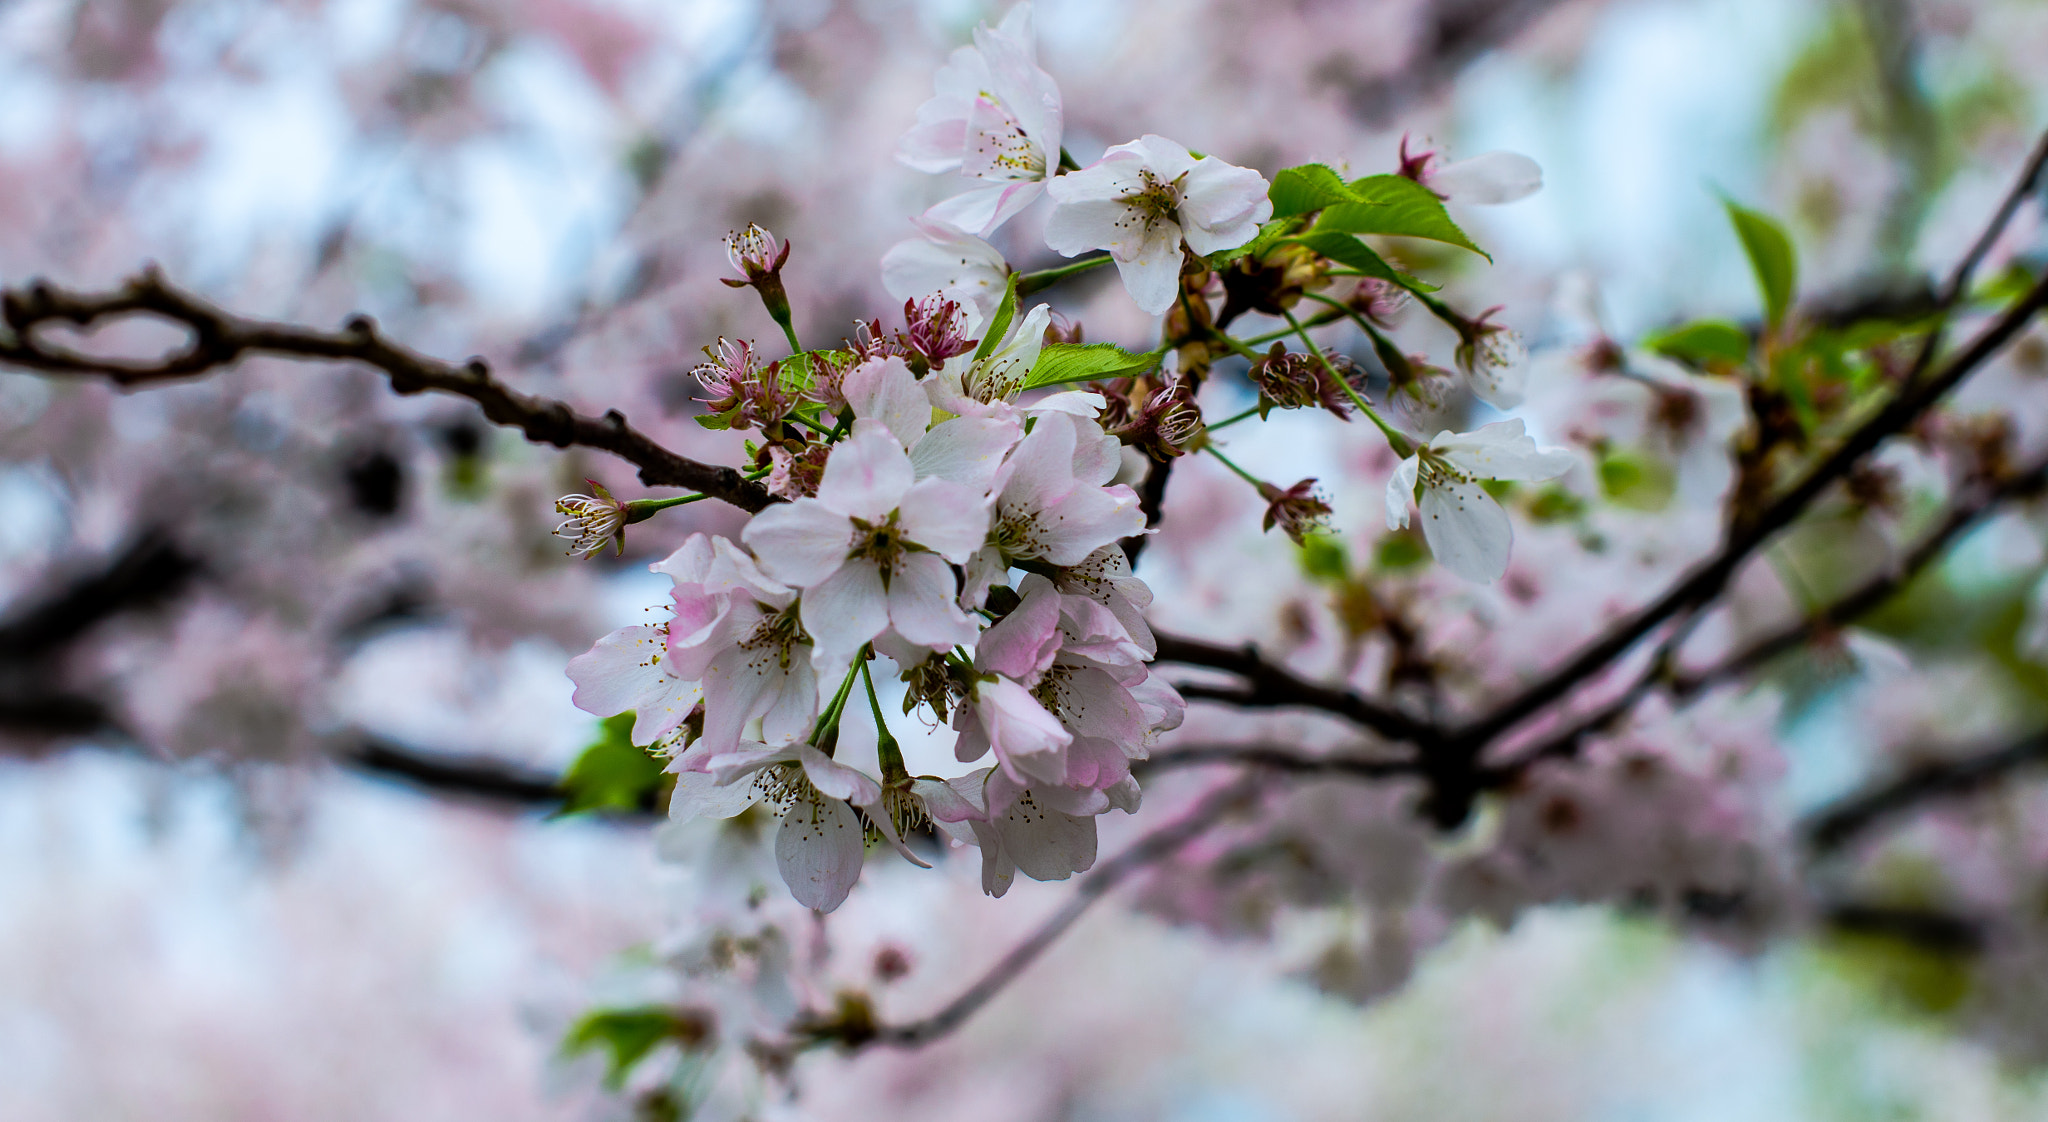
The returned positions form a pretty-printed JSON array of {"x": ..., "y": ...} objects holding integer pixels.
[
  {"x": 628, "y": 1035},
  {"x": 1310, "y": 187},
  {"x": 999, "y": 323},
  {"x": 1701, "y": 342},
  {"x": 1268, "y": 236},
  {"x": 1059, "y": 363},
  {"x": 1399, "y": 206},
  {"x": 1346, "y": 249},
  {"x": 1770, "y": 254},
  {"x": 612, "y": 773}
]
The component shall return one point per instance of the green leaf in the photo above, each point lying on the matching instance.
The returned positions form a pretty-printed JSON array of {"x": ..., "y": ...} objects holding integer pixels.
[
  {"x": 1323, "y": 558},
  {"x": 999, "y": 324},
  {"x": 628, "y": 1035},
  {"x": 1638, "y": 482},
  {"x": 612, "y": 773},
  {"x": 1397, "y": 206},
  {"x": 1770, "y": 255},
  {"x": 1398, "y": 551},
  {"x": 1346, "y": 249},
  {"x": 1268, "y": 236},
  {"x": 1310, "y": 187},
  {"x": 1701, "y": 342},
  {"x": 1059, "y": 363}
]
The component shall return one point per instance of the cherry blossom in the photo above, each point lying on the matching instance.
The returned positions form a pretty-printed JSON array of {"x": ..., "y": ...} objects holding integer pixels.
[
  {"x": 592, "y": 521},
  {"x": 1466, "y": 529},
  {"x": 995, "y": 118},
  {"x": 821, "y": 843},
  {"x": 739, "y": 632},
  {"x": 1142, "y": 200},
  {"x": 871, "y": 549},
  {"x": 1488, "y": 179},
  {"x": 950, "y": 264}
]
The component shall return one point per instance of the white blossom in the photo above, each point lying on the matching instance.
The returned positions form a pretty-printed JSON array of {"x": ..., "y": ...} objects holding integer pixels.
[
  {"x": 1466, "y": 529},
  {"x": 995, "y": 118},
  {"x": 1142, "y": 200}
]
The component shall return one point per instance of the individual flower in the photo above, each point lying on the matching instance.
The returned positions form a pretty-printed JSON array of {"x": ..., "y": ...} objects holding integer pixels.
[
  {"x": 821, "y": 843},
  {"x": 1487, "y": 179},
  {"x": 795, "y": 475},
  {"x": 1166, "y": 423},
  {"x": 1037, "y": 832},
  {"x": 1295, "y": 380},
  {"x": 935, "y": 329},
  {"x": 1053, "y": 506},
  {"x": 629, "y": 671},
  {"x": 592, "y": 521},
  {"x": 988, "y": 386},
  {"x": 759, "y": 257},
  {"x": 1466, "y": 529},
  {"x": 1493, "y": 359},
  {"x": 741, "y": 633},
  {"x": 1142, "y": 200},
  {"x": 749, "y": 396},
  {"x": 871, "y": 550},
  {"x": 949, "y": 264},
  {"x": 1297, "y": 510},
  {"x": 995, "y": 118}
]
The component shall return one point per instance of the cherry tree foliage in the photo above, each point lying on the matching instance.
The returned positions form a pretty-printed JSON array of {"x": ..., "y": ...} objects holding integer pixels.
[{"x": 1320, "y": 590}]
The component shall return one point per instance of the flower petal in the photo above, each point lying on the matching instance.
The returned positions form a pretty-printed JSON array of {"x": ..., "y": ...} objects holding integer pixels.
[
  {"x": 885, "y": 390},
  {"x": 698, "y": 795},
  {"x": 803, "y": 542},
  {"x": 845, "y": 610},
  {"x": 1467, "y": 531},
  {"x": 818, "y": 851},
  {"x": 1401, "y": 493},
  {"x": 945, "y": 517},
  {"x": 922, "y": 607},
  {"x": 1501, "y": 450},
  {"x": 866, "y": 476},
  {"x": 966, "y": 450},
  {"x": 1488, "y": 179}
]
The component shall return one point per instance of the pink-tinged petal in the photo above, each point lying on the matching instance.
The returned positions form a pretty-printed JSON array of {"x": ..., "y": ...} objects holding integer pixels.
[
  {"x": 1467, "y": 530},
  {"x": 1151, "y": 274},
  {"x": 698, "y": 795},
  {"x": 734, "y": 569},
  {"x": 818, "y": 851},
  {"x": 1116, "y": 174},
  {"x": 690, "y": 561},
  {"x": 846, "y": 610},
  {"x": 866, "y": 476},
  {"x": 803, "y": 542},
  {"x": 736, "y": 690},
  {"x": 934, "y": 147},
  {"x": 1075, "y": 799},
  {"x": 1022, "y": 644},
  {"x": 990, "y": 207},
  {"x": 1047, "y": 844},
  {"x": 836, "y": 779},
  {"x": 945, "y": 517},
  {"x": 921, "y": 604},
  {"x": 943, "y": 388},
  {"x": 885, "y": 390},
  {"x": 1488, "y": 179},
  {"x": 1097, "y": 455},
  {"x": 744, "y": 758},
  {"x": 627, "y": 669},
  {"x": 944, "y": 801},
  {"x": 966, "y": 450},
  {"x": 1401, "y": 493},
  {"x": 1091, "y": 702},
  {"x": 885, "y": 823},
  {"x": 1124, "y": 796},
  {"x": 984, "y": 569},
  {"x": 954, "y": 265},
  {"x": 792, "y": 693},
  {"x": 1074, "y": 228},
  {"x": 704, "y": 624},
  {"x": 1041, "y": 469},
  {"x": 1222, "y": 206},
  {"x": 1076, "y": 403},
  {"x": 998, "y": 872},
  {"x": 1085, "y": 520},
  {"x": 1028, "y": 741},
  {"x": 1166, "y": 159},
  {"x": 1163, "y": 705}
]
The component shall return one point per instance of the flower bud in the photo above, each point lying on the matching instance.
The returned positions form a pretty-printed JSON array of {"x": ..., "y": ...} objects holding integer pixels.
[
  {"x": 1297, "y": 510},
  {"x": 758, "y": 255},
  {"x": 592, "y": 521}
]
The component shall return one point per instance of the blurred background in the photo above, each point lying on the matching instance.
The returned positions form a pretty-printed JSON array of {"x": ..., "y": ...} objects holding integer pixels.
[{"x": 222, "y": 601}]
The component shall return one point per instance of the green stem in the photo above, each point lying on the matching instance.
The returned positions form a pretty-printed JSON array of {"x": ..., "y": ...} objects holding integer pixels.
[
  {"x": 828, "y": 721},
  {"x": 887, "y": 751},
  {"x": 1248, "y": 477},
  {"x": 1240, "y": 346},
  {"x": 1399, "y": 370},
  {"x": 1029, "y": 283},
  {"x": 1317, "y": 320},
  {"x": 810, "y": 424},
  {"x": 789, "y": 333},
  {"x": 1252, "y": 412},
  {"x": 640, "y": 510},
  {"x": 1398, "y": 440}
]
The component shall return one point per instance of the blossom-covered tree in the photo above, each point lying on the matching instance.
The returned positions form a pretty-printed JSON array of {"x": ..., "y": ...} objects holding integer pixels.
[{"x": 1161, "y": 579}]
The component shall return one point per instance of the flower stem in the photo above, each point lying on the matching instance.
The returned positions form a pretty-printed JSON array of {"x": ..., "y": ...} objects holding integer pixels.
[
  {"x": 1397, "y": 439},
  {"x": 828, "y": 721},
  {"x": 887, "y": 751},
  {"x": 640, "y": 510},
  {"x": 1248, "y": 477},
  {"x": 1399, "y": 369},
  {"x": 1253, "y": 411},
  {"x": 1029, "y": 283},
  {"x": 1317, "y": 320}
]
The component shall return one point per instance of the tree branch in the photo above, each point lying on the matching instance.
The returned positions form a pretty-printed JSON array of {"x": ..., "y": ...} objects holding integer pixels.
[
  {"x": 220, "y": 339},
  {"x": 1836, "y": 824},
  {"x": 1275, "y": 759},
  {"x": 1268, "y": 686},
  {"x": 857, "y": 1032}
]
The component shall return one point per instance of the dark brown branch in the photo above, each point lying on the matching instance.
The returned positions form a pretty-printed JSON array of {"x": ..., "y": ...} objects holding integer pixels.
[
  {"x": 220, "y": 339},
  {"x": 475, "y": 777},
  {"x": 1834, "y": 825},
  {"x": 1453, "y": 35},
  {"x": 144, "y": 572},
  {"x": 1268, "y": 687},
  {"x": 1274, "y": 759},
  {"x": 1932, "y": 930},
  {"x": 1155, "y": 846}
]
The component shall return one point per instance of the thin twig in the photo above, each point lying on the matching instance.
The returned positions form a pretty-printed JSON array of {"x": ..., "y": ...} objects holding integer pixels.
[
  {"x": 220, "y": 339},
  {"x": 1275, "y": 759},
  {"x": 1268, "y": 686},
  {"x": 1839, "y": 822}
]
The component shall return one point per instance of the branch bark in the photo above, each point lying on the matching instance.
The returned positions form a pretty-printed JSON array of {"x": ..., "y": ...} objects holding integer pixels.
[{"x": 220, "y": 340}]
